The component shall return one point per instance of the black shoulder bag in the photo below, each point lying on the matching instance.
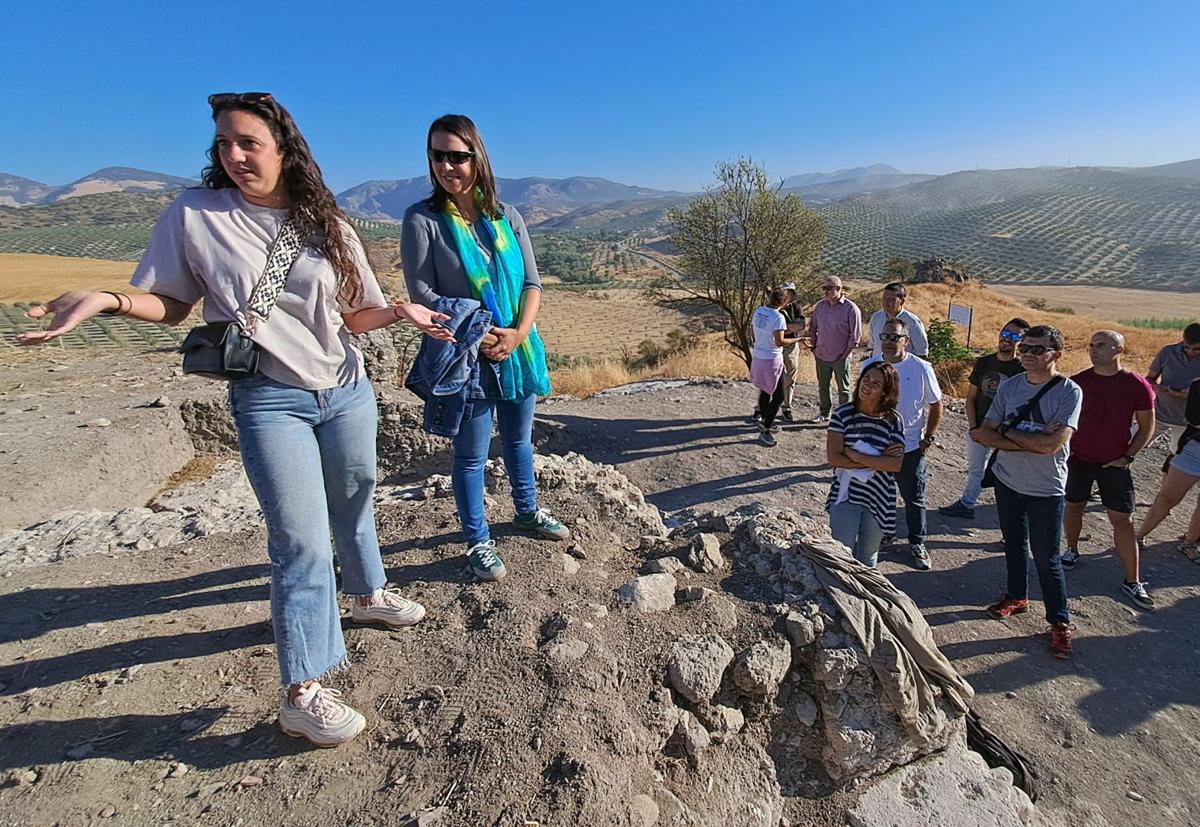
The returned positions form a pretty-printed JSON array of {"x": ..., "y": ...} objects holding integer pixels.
[
  {"x": 989, "y": 478},
  {"x": 225, "y": 350}
]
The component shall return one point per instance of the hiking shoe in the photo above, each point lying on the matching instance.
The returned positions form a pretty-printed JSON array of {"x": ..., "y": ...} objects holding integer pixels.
[
  {"x": 1007, "y": 607},
  {"x": 318, "y": 715},
  {"x": 540, "y": 522},
  {"x": 766, "y": 438},
  {"x": 1060, "y": 641},
  {"x": 1069, "y": 558},
  {"x": 887, "y": 540},
  {"x": 756, "y": 416},
  {"x": 958, "y": 509},
  {"x": 389, "y": 608},
  {"x": 921, "y": 557},
  {"x": 786, "y": 415},
  {"x": 484, "y": 562},
  {"x": 821, "y": 419},
  {"x": 1136, "y": 594}
]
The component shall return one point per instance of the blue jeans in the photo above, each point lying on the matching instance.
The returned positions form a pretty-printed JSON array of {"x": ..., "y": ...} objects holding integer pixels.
[
  {"x": 853, "y": 526},
  {"x": 471, "y": 452},
  {"x": 310, "y": 457},
  {"x": 911, "y": 482},
  {"x": 1033, "y": 525}
]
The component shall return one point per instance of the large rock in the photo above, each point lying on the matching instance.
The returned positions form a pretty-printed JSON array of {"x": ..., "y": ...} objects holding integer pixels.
[
  {"x": 953, "y": 787},
  {"x": 697, "y": 664},
  {"x": 649, "y": 593},
  {"x": 623, "y": 503},
  {"x": 761, "y": 668},
  {"x": 705, "y": 554}
]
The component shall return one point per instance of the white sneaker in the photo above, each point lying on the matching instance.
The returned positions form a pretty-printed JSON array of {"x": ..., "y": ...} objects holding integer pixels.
[
  {"x": 389, "y": 608},
  {"x": 319, "y": 716}
]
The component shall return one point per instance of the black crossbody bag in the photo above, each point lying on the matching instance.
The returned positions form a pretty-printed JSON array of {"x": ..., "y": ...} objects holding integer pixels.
[
  {"x": 226, "y": 350},
  {"x": 989, "y": 478}
]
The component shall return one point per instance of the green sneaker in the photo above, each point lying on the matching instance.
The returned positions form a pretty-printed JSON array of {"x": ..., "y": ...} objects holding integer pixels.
[
  {"x": 540, "y": 522},
  {"x": 485, "y": 563}
]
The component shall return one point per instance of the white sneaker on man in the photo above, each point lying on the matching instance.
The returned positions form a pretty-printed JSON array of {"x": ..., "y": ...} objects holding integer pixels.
[
  {"x": 386, "y": 606},
  {"x": 318, "y": 715}
]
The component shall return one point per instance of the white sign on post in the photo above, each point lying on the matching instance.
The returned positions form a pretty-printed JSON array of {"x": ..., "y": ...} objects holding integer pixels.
[{"x": 962, "y": 315}]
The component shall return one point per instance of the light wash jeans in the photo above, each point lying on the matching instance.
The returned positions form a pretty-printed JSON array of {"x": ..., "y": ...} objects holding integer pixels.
[
  {"x": 471, "y": 452},
  {"x": 853, "y": 526},
  {"x": 977, "y": 457},
  {"x": 310, "y": 457}
]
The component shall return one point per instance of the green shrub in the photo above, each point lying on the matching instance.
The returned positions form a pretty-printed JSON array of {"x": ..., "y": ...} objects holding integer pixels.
[{"x": 943, "y": 344}]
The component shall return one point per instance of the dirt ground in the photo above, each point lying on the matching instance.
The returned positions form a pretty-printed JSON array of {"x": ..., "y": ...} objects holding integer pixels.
[{"x": 114, "y": 670}]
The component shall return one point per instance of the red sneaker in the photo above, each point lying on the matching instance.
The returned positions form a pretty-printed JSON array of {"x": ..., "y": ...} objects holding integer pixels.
[
  {"x": 1060, "y": 641},
  {"x": 1008, "y": 607}
]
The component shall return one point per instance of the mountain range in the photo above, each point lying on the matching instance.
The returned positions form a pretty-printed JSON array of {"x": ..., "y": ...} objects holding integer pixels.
[{"x": 16, "y": 191}]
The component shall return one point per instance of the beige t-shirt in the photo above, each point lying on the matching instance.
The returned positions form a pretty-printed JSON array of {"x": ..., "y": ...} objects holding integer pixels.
[{"x": 213, "y": 244}]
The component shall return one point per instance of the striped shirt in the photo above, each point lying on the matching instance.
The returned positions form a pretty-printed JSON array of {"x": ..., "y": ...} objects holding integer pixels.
[{"x": 877, "y": 494}]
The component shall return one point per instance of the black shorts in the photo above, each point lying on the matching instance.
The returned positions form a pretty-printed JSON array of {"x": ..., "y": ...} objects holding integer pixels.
[{"x": 1116, "y": 485}]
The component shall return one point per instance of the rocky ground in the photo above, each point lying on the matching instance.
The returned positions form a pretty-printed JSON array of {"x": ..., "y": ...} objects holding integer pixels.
[{"x": 137, "y": 673}]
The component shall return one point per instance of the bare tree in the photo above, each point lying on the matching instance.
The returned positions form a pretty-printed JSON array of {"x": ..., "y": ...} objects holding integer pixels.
[{"x": 740, "y": 239}]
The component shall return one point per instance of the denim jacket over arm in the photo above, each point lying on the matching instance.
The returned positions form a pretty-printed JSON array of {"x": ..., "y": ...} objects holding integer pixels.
[{"x": 446, "y": 374}]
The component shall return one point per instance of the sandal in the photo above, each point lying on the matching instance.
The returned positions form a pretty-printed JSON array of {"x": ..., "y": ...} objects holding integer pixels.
[{"x": 1190, "y": 549}]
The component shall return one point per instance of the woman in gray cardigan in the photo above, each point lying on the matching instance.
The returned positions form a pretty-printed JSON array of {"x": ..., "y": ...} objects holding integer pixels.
[{"x": 463, "y": 243}]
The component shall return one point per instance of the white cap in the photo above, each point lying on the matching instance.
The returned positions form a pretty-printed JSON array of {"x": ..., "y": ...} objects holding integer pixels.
[{"x": 788, "y": 285}]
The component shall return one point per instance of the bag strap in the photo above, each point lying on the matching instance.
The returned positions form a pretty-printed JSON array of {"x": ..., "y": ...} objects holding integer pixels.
[
  {"x": 1028, "y": 407},
  {"x": 284, "y": 251}
]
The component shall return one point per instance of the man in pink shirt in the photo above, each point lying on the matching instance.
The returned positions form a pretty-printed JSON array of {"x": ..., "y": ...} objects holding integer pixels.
[
  {"x": 835, "y": 329},
  {"x": 1102, "y": 450}
]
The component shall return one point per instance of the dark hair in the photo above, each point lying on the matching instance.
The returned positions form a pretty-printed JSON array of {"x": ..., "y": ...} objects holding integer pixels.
[
  {"x": 890, "y": 396},
  {"x": 777, "y": 297},
  {"x": 1191, "y": 333},
  {"x": 485, "y": 182},
  {"x": 896, "y": 322},
  {"x": 313, "y": 206},
  {"x": 1017, "y": 322},
  {"x": 897, "y": 288},
  {"x": 1048, "y": 331}
]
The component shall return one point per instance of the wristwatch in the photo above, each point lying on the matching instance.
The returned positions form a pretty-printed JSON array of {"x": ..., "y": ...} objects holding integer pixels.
[
  {"x": 1130, "y": 458},
  {"x": 931, "y": 439}
]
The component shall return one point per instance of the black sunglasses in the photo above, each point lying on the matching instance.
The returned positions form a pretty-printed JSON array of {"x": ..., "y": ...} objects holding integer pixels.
[
  {"x": 440, "y": 156},
  {"x": 832, "y": 287},
  {"x": 1035, "y": 350},
  {"x": 892, "y": 337},
  {"x": 223, "y": 99}
]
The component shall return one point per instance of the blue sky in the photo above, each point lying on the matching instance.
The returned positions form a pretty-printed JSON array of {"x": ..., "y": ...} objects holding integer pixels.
[{"x": 649, "y": 93}]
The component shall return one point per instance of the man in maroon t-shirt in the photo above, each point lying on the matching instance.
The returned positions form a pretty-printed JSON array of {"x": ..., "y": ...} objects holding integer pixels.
[{"x": 1102, "y": 450}]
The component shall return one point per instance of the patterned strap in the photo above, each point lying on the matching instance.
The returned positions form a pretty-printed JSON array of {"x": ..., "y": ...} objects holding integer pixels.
[{"x": 275, "y": 274}]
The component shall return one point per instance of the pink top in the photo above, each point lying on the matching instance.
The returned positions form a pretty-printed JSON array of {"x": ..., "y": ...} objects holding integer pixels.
[{"x": 835, "y": 328}]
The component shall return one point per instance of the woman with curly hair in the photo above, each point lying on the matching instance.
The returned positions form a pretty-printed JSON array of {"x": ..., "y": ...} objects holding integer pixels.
[
  {"x": 865, "y": 446},
  {"x": 306, "y": 422}
]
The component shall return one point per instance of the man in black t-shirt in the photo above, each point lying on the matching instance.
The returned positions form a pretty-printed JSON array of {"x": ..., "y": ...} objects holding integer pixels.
[{"x": 986, "y": 376}]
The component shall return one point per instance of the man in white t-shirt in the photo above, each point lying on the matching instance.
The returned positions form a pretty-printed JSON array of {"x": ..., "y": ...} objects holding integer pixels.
[
  {"x": 920, "y": 411},
  {"x": 894, "y": 295}
]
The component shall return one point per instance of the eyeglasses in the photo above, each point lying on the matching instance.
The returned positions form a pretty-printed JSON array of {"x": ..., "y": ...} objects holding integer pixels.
[
  {"x": 1010, "y": 336},
  {"x": 222, "y": 100},
  {"x": 892, "y": 337},
  {"x": 440, "y": 156},
  {"x": 1034, "y": 350},
  {"x": 829, "y": 287}
]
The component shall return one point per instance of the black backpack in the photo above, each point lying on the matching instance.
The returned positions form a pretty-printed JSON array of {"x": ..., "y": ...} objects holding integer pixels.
[{"x": 999, "y": 754}]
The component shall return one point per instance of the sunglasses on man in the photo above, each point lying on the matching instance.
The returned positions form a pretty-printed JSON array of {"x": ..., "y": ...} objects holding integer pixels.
[
  {"x": 1008, "y": 335},
  {"x": 1034, "y": 350},
  {"x": 892, "y": 337},
  {"x": 440, "y": 156}
]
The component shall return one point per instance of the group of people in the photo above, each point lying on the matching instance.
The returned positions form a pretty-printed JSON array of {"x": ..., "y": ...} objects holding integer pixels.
[
  {"x": 307, "y": 420},
  {"x": 1043, "y": 441}
]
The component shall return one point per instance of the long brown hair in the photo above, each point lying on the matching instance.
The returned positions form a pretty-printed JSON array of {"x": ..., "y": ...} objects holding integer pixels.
[
  {"x": 890, "y": 396},
  {"x": 313, "y": 206},
  {"x": 485, "y": 182}
]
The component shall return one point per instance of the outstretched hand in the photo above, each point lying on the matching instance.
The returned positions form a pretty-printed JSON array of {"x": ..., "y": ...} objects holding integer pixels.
[
  {"x": 68, "y": 311},
  {"x": 425, "y": 320}
]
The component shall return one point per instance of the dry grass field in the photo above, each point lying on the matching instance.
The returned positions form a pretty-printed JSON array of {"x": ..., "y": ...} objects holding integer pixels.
[
  {"x": 30, "y": 278},
  {"x": 1108, "y": 302}
]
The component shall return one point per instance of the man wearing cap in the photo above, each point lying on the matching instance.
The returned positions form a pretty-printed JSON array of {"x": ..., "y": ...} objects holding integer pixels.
[
  {"x": 835, "y": 330},
  {"x": 791, "y": 353},
  {"x": 894, "y": 296}
]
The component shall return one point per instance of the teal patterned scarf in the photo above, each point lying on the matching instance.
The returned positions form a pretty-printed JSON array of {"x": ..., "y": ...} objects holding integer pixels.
[{"x": 524, "y": 371}]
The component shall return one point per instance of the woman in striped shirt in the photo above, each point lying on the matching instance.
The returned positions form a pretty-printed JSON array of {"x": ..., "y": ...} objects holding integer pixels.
[{"x": 865, "y": 446}]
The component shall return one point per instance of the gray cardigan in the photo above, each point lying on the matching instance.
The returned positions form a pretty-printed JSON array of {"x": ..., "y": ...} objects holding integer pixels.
[{"x": 432, "y": 267}]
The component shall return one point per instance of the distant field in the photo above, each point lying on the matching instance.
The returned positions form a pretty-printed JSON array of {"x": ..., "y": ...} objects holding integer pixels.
[
  {"x": 1115, "y": 303},
  {"x": 33, "y": 278}
]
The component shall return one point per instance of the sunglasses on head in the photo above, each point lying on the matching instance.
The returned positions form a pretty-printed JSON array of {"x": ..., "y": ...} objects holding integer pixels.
[
  {"x": 892, "y": 337},
  {"x": 1034, "y": 350},
  {"x": 223, "y": 99},
  {"x": 1010, "y": 336},
  {"x": 440, "y": 156}
]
